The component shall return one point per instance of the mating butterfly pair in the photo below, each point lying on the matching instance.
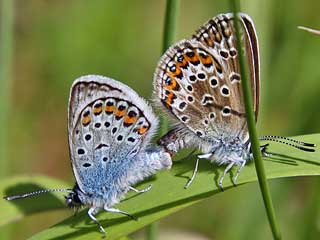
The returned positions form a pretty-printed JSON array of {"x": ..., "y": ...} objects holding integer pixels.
[{"x": 198, "y": 82}]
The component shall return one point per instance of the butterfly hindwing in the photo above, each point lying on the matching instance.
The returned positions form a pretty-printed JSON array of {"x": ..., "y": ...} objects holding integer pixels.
[
  {"x": 109, "y": 125},
  {"x": 198, "y": 79}
]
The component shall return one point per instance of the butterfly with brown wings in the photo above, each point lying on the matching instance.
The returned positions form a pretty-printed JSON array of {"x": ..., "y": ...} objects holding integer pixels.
[{"x": 198, "y": 82}]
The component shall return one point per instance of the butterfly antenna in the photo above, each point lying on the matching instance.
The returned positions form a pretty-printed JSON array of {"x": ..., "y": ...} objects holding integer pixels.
[
  {"x": 289, "y": 139},
  {"x": 30, "y": 194},
  {"x": 298, "y": 144}
]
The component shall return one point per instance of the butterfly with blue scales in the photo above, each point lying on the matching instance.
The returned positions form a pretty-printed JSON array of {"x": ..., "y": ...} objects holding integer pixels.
[{"x": 110, "y": 128}]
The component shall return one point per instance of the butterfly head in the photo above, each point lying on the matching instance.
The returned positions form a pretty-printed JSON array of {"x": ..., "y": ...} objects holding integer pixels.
[{"x": 73, "y": 198}]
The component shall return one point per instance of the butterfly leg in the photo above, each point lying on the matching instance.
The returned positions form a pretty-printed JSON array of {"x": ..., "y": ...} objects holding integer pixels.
[
  {"x": 193, "y": 174},
  {"x": 142, "y": 190},
  {"x": 92, "y": 211},
  {"x": 224, "y": 174},
  {"x": 234, "y": 180},
  {"x": 115, "y": 210},
  {"x": 263, "y": 150}
]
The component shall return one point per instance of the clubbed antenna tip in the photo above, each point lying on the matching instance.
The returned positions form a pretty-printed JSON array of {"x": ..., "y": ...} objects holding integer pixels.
[{"x": 291, "y": 142}]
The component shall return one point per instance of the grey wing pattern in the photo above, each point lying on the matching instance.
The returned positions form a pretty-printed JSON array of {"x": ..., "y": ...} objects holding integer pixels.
[{"x": 109, "y": 125}]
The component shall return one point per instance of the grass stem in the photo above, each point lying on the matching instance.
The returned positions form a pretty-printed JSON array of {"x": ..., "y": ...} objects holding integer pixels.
[{"x": 255, "y": 146}]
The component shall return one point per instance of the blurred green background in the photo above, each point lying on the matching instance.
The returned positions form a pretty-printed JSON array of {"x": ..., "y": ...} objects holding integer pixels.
[{"x": 58, "y": 41}]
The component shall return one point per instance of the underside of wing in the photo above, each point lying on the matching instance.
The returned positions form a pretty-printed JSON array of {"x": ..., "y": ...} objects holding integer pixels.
[
  {"x": 198, "y": 80},
  {"x": 108, "y": 125}
]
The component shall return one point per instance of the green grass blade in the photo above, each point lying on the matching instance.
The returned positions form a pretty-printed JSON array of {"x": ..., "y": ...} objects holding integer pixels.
[
  {"x": 255, "y": 145},
  {"x": 168, "y": 194},
  {"x": 170, "y": 24},
  {"x": 169, "y": 32}
]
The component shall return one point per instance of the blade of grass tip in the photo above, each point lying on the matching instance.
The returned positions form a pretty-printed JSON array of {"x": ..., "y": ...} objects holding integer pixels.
[
  {"x": 170, "y": 25},
  {"x": 310, "y": 30},
  {"x": 6, "y": 43},
  {"x": 252, "y": 130}
]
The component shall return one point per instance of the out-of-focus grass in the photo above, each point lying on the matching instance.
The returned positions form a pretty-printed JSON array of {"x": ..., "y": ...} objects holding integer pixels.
[{"x": 57, "y": 41}]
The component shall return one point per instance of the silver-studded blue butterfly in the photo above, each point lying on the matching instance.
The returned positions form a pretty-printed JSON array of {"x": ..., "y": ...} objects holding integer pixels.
[
  {"x": 198, "y": 82},
  {"x": 110, "y": 128}
]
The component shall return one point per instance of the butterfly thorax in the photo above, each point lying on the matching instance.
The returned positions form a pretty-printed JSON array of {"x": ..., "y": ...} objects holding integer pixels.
[{"x": 227, "y": 149}]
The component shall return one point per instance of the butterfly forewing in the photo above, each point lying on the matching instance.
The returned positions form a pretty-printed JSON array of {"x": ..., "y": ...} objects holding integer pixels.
[
  {"x": 198, "y": 79},
  {"x": 109, "y": 124}
]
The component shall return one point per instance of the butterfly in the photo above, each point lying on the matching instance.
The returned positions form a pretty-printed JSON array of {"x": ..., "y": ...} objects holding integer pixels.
[
  {"x": 110, "y": 127},
  {"x": 198, "y": 83}
]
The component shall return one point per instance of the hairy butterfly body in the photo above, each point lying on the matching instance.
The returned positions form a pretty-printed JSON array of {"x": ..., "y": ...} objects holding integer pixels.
[
  {"x": 198, "y": 82},
  {"x": 110, "y": 128}
]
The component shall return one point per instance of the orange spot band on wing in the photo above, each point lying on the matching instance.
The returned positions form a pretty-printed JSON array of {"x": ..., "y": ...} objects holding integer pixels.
[
  {"x": 172, "y": 84},
  {"x": 130, "y": 120},
  {"x": 120, "y": 113},
  {"x": 97, "y": 110},
  {"x": 142, "y": 130},
  {"x": 86, "y": 120},
  {"x": 169, "y": 99},
  {"x": 110, "y": 109},
  {"x": 183, "y": 63},
  {"x": 194, "y": 58},
  {"x": 177, "y": 72},
  {"x": 206, "y": 60}
]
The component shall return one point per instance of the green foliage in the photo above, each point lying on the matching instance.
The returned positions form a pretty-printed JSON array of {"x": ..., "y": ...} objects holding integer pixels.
[
  {"x": 166, "y": 196},
  {"x": 15, "y": 210}
]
